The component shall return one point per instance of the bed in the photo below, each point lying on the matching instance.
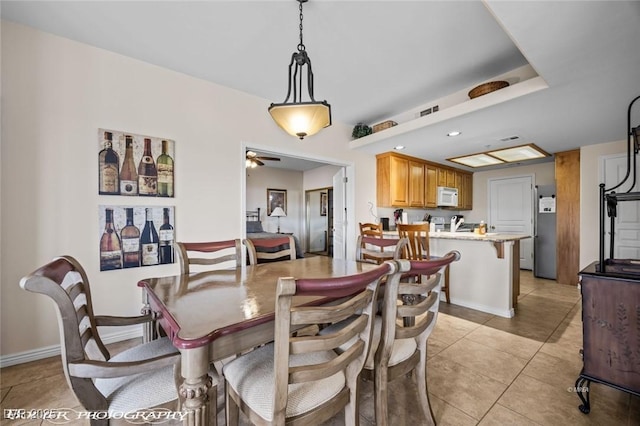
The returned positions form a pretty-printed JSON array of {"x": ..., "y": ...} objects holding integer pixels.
[{"x": 256, "y": 232}]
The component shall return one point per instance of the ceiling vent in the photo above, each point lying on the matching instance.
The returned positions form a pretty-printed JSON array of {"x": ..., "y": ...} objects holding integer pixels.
[{"x": 509, "y": 138}]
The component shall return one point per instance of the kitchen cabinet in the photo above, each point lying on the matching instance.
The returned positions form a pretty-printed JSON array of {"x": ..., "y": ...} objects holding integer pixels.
[
  {"x": 431, "y": 186},
  {"x": 392, "y": 179},
  {"x": 464, "y": 183},
  {"x": 416, "y": 184},
  {"x": 404, "y": 181}
]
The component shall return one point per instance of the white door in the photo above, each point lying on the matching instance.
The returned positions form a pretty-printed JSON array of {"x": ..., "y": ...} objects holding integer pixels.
[
  {"x": 626, "y": 243},
  {"x": 511, "y": 212},
  {"x": 339, "y": 214}
]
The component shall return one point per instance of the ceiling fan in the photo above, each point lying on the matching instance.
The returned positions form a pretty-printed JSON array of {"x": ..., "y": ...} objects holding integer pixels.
[{"x": 254, "y": 160}]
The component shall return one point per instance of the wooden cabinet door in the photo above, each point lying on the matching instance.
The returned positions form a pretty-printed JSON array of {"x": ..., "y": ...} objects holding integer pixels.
[
  {"x": 467, "y": 201},
  {"x": 399, "y": 181},
  {"x": 416, "y": 184},
  {"x": 442, "y": 177},
  {"x": 431, "y": 185}
]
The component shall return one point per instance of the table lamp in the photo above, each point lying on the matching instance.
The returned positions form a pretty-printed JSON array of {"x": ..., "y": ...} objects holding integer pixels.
[{"x": 278, "y": 212}]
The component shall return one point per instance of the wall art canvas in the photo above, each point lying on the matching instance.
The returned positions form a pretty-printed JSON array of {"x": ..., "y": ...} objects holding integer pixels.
[
  {"x": 276, "y": 198},
  {"x": 135, "y": 236},
  {"x": 135, "y": 165}
]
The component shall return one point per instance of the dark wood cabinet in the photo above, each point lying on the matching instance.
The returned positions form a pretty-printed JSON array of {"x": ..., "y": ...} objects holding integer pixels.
[{"x": 610, "y": 328}]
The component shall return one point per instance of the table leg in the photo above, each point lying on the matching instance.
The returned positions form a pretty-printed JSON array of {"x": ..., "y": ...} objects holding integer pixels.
[{"x": 194, "y": 391}]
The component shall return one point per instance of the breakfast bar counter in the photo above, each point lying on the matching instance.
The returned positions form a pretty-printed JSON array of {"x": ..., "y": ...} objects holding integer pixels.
[{"x": 487, "y": 276}]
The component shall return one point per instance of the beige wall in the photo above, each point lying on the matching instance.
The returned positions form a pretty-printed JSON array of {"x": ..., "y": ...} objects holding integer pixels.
[
  {"x": 544, "y": 174},
  {"x": 56, "y": 94},
  {"x": 261, "y": 178},
  {"x": 589, "y": 197}
]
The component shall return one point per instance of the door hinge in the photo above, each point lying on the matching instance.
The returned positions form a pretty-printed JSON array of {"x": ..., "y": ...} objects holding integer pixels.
[{"x": 345, "y": 179}]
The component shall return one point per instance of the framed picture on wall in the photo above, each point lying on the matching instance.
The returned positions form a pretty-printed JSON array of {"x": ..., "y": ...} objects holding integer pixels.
[
  {"x": 276, "y": 198},
  {"x": 323, "y": 204},
  {"x": 135, "y": 165}
]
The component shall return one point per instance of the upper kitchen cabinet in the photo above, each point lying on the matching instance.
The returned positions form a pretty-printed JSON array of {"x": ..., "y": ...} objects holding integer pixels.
[
  {"x": 404, "y": 181},
  {"x": 392, "y": 177}
]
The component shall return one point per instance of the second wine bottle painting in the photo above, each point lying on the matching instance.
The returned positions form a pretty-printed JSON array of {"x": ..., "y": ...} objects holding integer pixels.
[
  {"x": 134, "y": 236},
  {"x": 136, "y": 165}
]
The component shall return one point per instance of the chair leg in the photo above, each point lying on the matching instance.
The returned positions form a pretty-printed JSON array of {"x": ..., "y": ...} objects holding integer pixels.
[
  {"x": 380, "y": 391},
  {"x": 351, "y": 410},
  {"x": 232, "y": 410},
  {"x": 445, "y": 288},
  {"x": 420, "y": 377}
]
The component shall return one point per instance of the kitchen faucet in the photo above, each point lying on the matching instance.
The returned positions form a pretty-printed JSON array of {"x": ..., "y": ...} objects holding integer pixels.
[{"x": 455, "y": 225}]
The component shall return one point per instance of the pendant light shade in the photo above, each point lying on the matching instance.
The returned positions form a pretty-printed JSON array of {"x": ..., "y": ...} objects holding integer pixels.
[
  {"x": 303, "y": 118},
  {"x": 296, "y": 117}
]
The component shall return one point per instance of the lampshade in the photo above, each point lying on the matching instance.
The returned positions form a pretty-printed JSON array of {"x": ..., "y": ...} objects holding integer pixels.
[
  {"x": 278, "y": 212},
  {"x": 301, "y": 119},
  {"x": 294, "y": 116}
]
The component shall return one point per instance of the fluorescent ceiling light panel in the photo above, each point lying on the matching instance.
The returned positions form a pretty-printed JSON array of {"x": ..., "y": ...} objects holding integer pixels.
[
  {"x": 477, "y": 160},
  {"x": 519, "y": 153}
]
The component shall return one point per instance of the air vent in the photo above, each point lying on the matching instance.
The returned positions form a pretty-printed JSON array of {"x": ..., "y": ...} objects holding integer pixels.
[{"x": 509, "y": 138}]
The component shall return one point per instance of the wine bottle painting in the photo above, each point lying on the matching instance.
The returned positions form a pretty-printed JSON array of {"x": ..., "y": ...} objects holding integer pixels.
[
  {"x": 135, "y": 236},
  {"x": 135, "y": 165}
]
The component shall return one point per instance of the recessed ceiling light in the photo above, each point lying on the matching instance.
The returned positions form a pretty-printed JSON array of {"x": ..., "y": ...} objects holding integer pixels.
[
  {"x": 399, "y": 147},
  {"x": 506, "y": 155},
  {"x": 454, "y": 133},
  {"x": 519, "y": 153},
  {"x": 477, "y": 160}
]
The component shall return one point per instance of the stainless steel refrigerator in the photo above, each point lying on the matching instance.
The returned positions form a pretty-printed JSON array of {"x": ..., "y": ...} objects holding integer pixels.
[{"x": 544, "y": 239}]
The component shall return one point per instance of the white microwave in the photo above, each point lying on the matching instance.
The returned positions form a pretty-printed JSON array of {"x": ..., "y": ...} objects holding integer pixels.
[{"x": 447, "y": 197}]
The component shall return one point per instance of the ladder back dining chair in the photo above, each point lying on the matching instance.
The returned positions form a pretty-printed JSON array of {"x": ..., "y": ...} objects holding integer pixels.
[
  {"x": 400, "y": 335},
  {"x": 207, "y": 254},
  {"x": 302, "y": 379},
  {"x": 139, "y": 378},
  {"x": 417, "y": 248}
]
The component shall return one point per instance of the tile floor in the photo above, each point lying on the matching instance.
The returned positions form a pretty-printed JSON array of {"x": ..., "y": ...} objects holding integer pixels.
[{"x": 483, "y": 370}]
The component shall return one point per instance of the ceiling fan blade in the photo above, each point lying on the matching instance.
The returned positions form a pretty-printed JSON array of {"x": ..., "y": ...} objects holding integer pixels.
[
  {"x": 258, "y": 162},
  {"x": 269, "y": 158}
]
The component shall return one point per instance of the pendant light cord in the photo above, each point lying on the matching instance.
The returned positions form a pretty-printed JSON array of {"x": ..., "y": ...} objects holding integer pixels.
[{"x": 301, "y": 46}]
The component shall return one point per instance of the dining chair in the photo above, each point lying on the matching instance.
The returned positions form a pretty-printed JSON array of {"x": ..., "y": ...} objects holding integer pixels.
[
  {"x": 139, "y": 378},
  {"x": 271, "y": 249},
  {"x": 302, "y": 379},
  {"x": 210, "y": 253},
  {"x": 377, "y": 250},
  {"x": 401, "y": 346},
  {"x": 417, "y": 248},
  {"x": 371, "y": 251}
]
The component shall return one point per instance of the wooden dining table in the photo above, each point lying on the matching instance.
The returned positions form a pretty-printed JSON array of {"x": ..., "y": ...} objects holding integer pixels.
[{"x": 212, "y": 315}]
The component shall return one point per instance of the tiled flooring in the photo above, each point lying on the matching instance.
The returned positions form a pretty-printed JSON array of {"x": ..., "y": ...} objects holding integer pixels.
[{"x": 482, "y": 369}]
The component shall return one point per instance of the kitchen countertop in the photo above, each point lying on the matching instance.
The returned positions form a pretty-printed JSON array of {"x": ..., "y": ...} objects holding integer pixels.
[{"x": 469, "y": 236}]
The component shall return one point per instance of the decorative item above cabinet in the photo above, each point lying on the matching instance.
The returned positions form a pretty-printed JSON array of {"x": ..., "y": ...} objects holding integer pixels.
[{"x": 404, "y": 181}]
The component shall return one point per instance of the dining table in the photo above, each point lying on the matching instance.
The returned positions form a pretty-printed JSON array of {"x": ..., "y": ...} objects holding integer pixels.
[{"x": 212, "y": 315}]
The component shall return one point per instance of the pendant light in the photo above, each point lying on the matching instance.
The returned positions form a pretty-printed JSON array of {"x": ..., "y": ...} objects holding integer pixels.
[{"x": 300, "y": 118}]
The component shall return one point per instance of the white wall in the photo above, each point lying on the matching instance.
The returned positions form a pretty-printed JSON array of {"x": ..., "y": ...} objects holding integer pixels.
[
  {"x": 56, "y": 94},
  {"x": 320, "y": 177},
  {"x": 261, "y": 178},
  {"x": 590, "y": 197}
]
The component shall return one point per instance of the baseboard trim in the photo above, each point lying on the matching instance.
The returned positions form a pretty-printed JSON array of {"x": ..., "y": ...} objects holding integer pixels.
[
  {"x": 508, "y": 313},
  {"x": 54, "y": 350}
]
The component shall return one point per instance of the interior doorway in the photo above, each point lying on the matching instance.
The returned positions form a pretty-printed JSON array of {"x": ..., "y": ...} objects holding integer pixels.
[{"x": 319, "y": 221}]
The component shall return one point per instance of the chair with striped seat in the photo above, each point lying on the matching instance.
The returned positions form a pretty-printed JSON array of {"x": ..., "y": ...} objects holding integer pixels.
[{"x": 271, "y": 249}]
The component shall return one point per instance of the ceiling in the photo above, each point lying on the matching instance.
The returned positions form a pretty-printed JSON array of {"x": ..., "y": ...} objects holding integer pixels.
[{"x": 373, "y": 60}]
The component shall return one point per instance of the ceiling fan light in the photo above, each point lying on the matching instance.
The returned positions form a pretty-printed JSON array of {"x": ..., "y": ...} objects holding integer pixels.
[{"x": 301, "y": 119}]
